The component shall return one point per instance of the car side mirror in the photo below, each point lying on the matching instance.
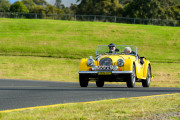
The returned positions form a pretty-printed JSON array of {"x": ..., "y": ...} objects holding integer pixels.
[{"x": 117, "y": 50}]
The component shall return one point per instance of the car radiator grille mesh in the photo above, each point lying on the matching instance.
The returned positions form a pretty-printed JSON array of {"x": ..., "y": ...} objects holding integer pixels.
[{"x": 105, "y": 62}]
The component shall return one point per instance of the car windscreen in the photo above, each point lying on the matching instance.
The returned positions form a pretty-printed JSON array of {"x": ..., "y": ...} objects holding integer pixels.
[{"x": 104, "y": 49}]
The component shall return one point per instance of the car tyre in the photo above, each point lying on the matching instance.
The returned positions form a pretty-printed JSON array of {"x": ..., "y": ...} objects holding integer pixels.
[
  {"x": 132, "y": 78},
  {"x": 146, "y": 83},
  {"x": 99, "y": 83},
  {"x": 83, "y": 80}
]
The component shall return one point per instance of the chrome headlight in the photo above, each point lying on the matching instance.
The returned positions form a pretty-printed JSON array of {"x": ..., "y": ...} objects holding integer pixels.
[
  {"x": 120, "y": 62},
  {"x": 90, "y": 61}
]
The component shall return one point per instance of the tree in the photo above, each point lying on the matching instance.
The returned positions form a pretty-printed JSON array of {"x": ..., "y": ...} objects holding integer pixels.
[
  {"x": 100, "y": 7},
  {"x": 124, "y": 2},
  {"x": 4, "y": 6},
  {"x": 177, "y": 2},
  {"x": 109, "y": 8},
  {"x": 40, "y": 2},
  {"x": 73, "y": 8},
  {"x": 19, "y": 7},
  {"x": 51, "y": 9},
  {"x": 39, "y": 9},
  {"x": 176, "y": 12},
  {"x": 58, "y": 4},
  {"x": 151, "y": 9},
  {"x": 29, "y": 4}
]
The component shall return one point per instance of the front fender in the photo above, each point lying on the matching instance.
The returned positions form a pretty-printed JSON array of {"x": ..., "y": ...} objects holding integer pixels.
[
  {"x": 128, "y": 65},
  {"x": 146, "y": 65},
  {"x": 83, "y": 65}
]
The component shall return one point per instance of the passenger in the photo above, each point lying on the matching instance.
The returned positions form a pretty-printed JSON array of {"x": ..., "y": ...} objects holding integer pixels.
[{"x": 127, "y": 50}]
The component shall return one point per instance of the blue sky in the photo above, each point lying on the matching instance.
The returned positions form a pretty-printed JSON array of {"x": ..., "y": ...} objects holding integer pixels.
[{"x": 65, "y": 2}]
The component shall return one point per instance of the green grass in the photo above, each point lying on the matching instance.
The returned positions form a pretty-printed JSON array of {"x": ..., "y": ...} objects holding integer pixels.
[
  {"x": 72, "y": 39},
  {"x": 51, "y": 49},
  {"x": 130, "y": 108},
  {"x": 166, "y": 74},
  {"x": 38, "y": 68}
]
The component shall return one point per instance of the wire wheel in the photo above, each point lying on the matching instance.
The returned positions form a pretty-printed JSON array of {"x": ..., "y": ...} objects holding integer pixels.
[
  {"x": 132, "y": 78},
  {"x": 146, "y": 83}
]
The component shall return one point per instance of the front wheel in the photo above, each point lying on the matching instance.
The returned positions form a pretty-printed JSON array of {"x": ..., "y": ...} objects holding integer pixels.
[
  {"x": 83, "y": 80},
  {"x": 132, "y": 78},
  {"x": 146, "y": 83}
]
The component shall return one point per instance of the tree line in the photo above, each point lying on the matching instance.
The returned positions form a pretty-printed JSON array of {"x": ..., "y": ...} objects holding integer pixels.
[
  {"x": 35, "y": 6},
  {"x": 147, "y": 9}
]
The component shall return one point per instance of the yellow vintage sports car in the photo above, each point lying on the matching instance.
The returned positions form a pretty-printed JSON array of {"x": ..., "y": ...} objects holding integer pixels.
[{"x": 118, "y": 66}]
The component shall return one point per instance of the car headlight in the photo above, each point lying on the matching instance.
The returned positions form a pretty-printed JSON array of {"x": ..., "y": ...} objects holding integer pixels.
[
  {"x": 120, "y": 62},
  {"x": 90, "y": 61}
]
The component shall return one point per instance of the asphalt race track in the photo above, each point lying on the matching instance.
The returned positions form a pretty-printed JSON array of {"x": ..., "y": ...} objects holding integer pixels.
[{"x": 23, "y": 93}]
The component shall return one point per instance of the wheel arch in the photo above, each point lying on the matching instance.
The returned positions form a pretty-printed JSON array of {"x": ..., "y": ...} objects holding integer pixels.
[
  {"x": 137, "y": 75},
  {"x": 151, "y": 70},
  {"x": 146, "y": 65}
]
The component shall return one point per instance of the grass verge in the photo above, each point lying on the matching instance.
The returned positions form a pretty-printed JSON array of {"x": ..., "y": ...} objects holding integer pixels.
[
  {"x": 39, "y": 68},
  {"x": 130, "y": 108}
]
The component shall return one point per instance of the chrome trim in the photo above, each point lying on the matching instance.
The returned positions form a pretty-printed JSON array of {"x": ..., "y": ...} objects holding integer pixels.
[
  {"x": 122, "y": 61},
  {"x": 121, "y": 72},
  {"x": 88, "y": 72},
  {"x": 113, "y": 72}
]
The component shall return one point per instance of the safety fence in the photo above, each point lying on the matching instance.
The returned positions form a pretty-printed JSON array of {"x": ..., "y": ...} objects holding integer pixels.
[{"x": 96, "y": 18}]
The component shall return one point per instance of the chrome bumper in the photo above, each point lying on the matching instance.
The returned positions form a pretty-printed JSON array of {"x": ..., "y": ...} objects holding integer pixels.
[{"x": 113, "y": 72}]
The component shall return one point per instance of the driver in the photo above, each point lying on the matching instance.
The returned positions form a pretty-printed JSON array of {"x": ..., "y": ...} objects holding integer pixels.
[{"x": 112, "y": 48}]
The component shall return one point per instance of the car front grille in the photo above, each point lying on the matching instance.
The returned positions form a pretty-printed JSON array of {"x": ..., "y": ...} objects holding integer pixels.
[{"x": 105, "y": 62}]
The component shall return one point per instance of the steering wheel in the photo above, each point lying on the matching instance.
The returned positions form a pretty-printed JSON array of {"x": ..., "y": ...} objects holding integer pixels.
[
  {"x": 122, "y": 53},
  {"x": 105, "y": 54}
]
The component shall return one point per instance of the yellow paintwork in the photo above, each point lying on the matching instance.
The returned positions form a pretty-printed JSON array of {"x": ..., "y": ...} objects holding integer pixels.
[
  {"x": 141, "y": 70},
  {"x": 83, "y": 65}
]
